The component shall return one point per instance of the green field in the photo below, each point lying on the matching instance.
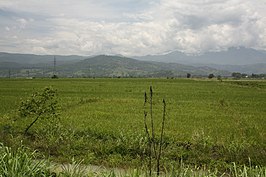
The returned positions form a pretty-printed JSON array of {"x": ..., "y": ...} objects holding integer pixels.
[{"x": 208, "y": 122}]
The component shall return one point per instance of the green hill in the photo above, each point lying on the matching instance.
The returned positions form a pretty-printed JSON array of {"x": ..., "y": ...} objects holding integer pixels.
[
  {"x": 21, "y": 65},
  {"x": 116, "y": 66}
]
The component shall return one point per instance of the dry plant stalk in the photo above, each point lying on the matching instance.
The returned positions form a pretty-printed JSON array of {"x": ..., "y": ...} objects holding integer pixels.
[{"x": 151, "y": 136}]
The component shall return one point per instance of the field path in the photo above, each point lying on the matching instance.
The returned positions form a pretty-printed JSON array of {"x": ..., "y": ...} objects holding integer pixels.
[{"x": 87, "y": 169}]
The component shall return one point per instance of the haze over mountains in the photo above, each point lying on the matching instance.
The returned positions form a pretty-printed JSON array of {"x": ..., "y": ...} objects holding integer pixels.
[
  {"x": 232, "y": 56},
  {"x": 233, "y": 60},
  {"x": 170, "y": 65}
]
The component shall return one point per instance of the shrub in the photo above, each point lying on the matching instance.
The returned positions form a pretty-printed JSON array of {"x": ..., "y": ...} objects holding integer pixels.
[{"x": 41, "y": 105}]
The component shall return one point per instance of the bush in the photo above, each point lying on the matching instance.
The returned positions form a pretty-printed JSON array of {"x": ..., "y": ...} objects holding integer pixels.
[{"x": 41, "y": 105}]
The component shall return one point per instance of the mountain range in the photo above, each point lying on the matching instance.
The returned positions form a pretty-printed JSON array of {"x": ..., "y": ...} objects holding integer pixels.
[
  {"x": 232, "y": 56},
  {"x": 244, "y": 60},
  {"x": 23, "y": 65},
  {"x": 174, "y": 64},
  {"x": 117, "y": 66}
]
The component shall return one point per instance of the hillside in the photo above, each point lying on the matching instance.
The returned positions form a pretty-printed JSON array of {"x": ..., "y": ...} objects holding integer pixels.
[
  {"x": 113, "y": 66},
  {"x": 31, "y": 59},
  {"x": 258, "y": 68},
  {"x": 21, "y": 65},
  {"x": 244, "y": 60}
]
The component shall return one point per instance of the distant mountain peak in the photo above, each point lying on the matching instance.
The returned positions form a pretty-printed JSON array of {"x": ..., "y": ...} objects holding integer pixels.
[{"x": 232, "y": 56}]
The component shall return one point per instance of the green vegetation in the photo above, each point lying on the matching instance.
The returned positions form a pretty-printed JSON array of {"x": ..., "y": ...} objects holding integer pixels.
[
  {"x": 217, "y": 127},
  {"x": 21, "y": 163},
  {"x": 16, "y": 65},
  {"x": 40, "y": 105},
  {"x": 237, "y": 75}
]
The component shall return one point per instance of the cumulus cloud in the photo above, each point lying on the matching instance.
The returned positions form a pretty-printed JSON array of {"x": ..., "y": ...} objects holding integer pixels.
[{"x": 131, "y": 27}]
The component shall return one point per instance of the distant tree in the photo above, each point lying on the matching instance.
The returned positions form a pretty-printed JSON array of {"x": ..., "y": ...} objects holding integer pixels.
[
  {"x": 211, "y": 76},
  {"x": 244, "y": 75},
  {"x": 255, "y": 75},
  {"x": 219, "y": 77},
  {"x": 188, "y": 75},
  {"x": 236, "y": 75},
  {"x": 54, "y": 77}
]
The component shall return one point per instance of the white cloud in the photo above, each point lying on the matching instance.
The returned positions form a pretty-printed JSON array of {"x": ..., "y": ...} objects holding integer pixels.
[
  {"x": 89, "y": 27},
  {"x": 22, "y": 23},
  {"x": 7, "y": 28}
]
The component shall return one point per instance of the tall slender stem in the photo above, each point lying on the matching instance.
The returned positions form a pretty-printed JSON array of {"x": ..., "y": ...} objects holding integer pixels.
[
  {"x": 148, "y": 134},
  {"x": 161, "y": 139},
  {"x": 152, "y": 123}
]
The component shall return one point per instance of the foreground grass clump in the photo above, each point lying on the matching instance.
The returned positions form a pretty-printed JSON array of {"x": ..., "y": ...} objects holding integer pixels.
[
  {"x": 209, "y": 124},
  {"x": 19, "y": 162}
]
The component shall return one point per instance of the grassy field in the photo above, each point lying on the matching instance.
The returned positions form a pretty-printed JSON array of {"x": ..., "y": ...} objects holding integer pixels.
[{"x": 208, "y": 122}]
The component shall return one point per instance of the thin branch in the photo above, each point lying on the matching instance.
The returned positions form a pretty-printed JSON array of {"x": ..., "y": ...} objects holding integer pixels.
[{"x": 26, "y": 130}]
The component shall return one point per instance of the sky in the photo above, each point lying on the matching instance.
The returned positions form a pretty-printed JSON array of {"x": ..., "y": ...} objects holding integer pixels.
[{"x": 130, "y": 27}]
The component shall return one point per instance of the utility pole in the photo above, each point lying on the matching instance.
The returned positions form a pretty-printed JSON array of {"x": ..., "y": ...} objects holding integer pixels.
[
  {"x": 54, "y": 72},
  {"x": 54, "y": 65},
  {"x": 9, "y": 73}
]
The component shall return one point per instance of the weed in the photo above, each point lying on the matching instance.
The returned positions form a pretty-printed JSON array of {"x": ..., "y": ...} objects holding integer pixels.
[
  {"x": 74, "y": 169},
  {"x": 151, "y": 136},
  {"x": 19, "y": 162}
]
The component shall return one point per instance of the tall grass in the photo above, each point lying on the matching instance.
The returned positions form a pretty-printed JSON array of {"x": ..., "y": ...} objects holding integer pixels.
[
  {"x": 18, "y": 163},
  {"x": 75, "y": 169}
]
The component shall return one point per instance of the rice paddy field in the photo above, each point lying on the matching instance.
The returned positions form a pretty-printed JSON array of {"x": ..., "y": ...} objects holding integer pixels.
[{"x": 208, "y": 123}]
